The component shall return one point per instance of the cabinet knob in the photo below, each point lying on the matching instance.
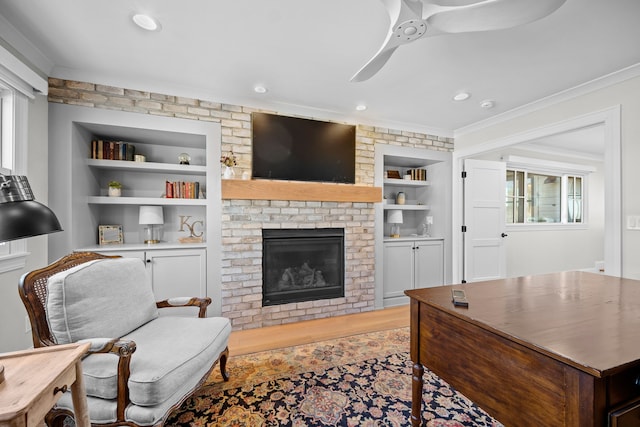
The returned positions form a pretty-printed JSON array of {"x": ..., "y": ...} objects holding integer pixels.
[
  {"x": 504, "y": 235},
  {"x": 148, "y": 261}
]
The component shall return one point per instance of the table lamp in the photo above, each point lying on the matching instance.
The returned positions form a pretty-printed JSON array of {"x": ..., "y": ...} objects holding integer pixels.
[
  {"x": 21, "y": 216},
  {"x": 395, "y": 219},
  {"x": 153, "y": 217}
]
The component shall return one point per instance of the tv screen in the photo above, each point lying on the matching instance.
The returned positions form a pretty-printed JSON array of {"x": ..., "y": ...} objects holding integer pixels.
[{"x": 295, "y": 149}]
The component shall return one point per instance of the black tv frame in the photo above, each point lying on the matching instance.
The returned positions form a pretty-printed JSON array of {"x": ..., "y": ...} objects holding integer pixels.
[{"x": 298, "y": 149}]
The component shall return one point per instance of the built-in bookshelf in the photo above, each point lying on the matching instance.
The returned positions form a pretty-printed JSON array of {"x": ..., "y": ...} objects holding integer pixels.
[
  {"x": 78, "y": 191},
  {"x": 420, "y": 256},
  {"x": 79, "y": 182}
]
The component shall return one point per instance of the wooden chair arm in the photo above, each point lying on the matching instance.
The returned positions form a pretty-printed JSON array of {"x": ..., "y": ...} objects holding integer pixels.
[
  {"x": 120, "y": 348},
  {"x": 123, "y": 349},
  {"x": 203, "y": 303}
]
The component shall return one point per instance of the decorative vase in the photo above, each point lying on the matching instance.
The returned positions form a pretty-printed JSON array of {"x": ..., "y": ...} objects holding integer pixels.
[
  {"x": 115, "y": 192},
  {"x": 229, "y": 173}
]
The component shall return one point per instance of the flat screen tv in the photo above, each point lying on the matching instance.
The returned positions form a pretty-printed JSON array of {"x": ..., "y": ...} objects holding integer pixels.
[{"x": 295, "y": 149}]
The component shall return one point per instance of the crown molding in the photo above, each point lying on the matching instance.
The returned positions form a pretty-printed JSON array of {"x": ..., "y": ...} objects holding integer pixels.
[
  {"x": 26, "y": 52},
  {"x": 565, "y": 95}
]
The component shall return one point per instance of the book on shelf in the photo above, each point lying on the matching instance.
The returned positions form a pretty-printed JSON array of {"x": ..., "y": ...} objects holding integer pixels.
[
  {"x": 112, "y": 150},
  {"x": 417, "y": 174},
  {"x": 182, "y": 189}
]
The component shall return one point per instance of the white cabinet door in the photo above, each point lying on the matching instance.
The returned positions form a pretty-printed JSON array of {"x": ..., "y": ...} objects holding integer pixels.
[
  {"x": 178, "y": 273},
  {"x": 429, "y": 264},
  {"x": 128, "y": 254},
  {"x": 398, "y": 268},
  {"x": 410, "y": 265}
]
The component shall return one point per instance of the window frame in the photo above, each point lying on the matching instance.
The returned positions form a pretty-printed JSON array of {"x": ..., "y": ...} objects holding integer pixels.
[
  {"x": 13, "y": 160},
  {"x": 564, "y": 171}
]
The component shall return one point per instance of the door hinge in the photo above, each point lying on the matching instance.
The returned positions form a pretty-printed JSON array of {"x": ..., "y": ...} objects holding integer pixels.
[
  {"x": 464, "y": 228},
  {"x": 464, "y": 174}
]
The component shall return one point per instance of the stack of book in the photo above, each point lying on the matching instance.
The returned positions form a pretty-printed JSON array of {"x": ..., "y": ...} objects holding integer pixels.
[
  {"x": 182, "y": 190},
  {"x": 417, "y": 174},
  {"x": 112, "y": 150}
]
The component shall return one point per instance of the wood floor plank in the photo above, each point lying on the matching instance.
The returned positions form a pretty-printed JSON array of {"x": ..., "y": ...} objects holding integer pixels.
[{"x": 280, "y": 336}]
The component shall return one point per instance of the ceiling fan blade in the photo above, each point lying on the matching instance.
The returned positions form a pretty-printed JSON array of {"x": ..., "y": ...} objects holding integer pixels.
[
  {"x": 492, "y": 15},
  {"x": 411, "y": 19},
  {"x": 374, "y": 65},
  {"x": 406, "y": 26}
]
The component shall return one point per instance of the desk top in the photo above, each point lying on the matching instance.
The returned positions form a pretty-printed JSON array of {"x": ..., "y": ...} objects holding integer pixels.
[
  {"x": 589, "y": 321},
  {"x": 29, "y": 372}
]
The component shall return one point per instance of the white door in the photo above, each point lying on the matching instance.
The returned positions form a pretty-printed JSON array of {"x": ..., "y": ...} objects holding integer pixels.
[{"x": 484, "y": 219}]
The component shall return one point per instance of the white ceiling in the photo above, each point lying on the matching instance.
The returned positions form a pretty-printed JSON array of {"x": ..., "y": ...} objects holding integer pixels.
[{"x": 305, "y": 52}]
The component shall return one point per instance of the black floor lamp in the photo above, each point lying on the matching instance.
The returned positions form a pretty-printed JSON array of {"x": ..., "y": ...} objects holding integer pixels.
[{"x": 21, "y": 216}]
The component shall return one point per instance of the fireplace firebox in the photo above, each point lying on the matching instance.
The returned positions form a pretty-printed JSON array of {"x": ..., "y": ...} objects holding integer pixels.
[{"x": 302, "y": 265}]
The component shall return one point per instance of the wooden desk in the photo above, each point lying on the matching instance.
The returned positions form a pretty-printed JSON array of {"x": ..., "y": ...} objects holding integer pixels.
[
  {"x": 551, "y": 350},
  {"x": 35, "y": 380}
]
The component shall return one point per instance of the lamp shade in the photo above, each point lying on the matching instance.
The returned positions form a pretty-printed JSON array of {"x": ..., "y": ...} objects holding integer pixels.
[
  {"x": 151, "y": 215},
  {"x": 20, "y": 215},
  {"x": 395, "y": 217}
]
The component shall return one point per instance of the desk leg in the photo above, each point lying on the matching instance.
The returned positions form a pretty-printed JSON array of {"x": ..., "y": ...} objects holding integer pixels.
[
  {"x": 416, "y": 398},
  {"x": 79, "y": 397}
]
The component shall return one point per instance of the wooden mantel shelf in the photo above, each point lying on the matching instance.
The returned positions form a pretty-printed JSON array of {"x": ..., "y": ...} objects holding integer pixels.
[{"x": 302, "y": 191}]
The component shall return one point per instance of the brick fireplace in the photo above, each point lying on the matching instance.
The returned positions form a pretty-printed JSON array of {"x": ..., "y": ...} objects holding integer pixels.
[
  {"x": 243, "y": 222},
  {"x": 302, "y": 264}
]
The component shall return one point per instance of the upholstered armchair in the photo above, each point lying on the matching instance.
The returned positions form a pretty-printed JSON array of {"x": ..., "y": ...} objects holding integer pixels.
[{"x": 141, "y": 366}]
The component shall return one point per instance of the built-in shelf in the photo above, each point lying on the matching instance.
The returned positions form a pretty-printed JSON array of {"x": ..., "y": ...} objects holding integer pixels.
[
  {"x": 411, "y": 238},
  {"x": 405, "y": 183},
  {"x": 393, "y": 206},
  {"x": 105, "y": 200},
  {"x": 237, "y": 189},
  {"x": 125, "y": 165},
  {"x": 141, "y": 247}
]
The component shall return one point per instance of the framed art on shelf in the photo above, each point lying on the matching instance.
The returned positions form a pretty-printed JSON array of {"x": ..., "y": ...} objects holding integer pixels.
[
  {"x": 393, "y": 174},
  {"x": 110, "y": 235}
]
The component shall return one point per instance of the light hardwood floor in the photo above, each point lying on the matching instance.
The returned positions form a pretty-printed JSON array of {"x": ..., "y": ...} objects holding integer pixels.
[{"x": 272, "y": 337}]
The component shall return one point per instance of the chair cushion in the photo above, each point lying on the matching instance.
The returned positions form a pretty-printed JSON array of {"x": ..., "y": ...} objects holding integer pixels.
[
  {"x": 101, "y": 298},
  {"x": 103, "y": 411},
  {"x": 170, "y": 352}
]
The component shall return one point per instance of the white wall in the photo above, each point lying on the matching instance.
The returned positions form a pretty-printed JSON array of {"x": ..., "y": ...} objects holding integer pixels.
[
  {"x": 536, "y": 252},
  {"x": 627, "y": 95},
  {"x": 12, "y": 312}
]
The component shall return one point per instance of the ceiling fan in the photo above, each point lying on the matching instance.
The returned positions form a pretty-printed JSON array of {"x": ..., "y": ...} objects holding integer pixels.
[{"x": 414, "y": 19}]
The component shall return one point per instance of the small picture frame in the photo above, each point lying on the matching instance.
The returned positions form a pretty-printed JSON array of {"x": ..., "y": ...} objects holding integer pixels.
[
  {"x": 110, "y": 235},
  {"x": 393, "y": 174}
]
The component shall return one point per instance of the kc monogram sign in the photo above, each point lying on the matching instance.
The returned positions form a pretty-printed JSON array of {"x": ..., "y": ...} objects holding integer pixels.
[{"x": 195, "y": 227}]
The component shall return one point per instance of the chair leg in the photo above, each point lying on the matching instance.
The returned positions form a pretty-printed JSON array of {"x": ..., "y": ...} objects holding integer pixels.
[{"x": 223, "y": 364}]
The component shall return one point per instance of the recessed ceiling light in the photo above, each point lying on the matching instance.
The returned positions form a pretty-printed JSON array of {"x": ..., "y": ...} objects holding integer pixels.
[
  {"x": 146, "y": 22},
  {"x": 260, "y": 89},
  {"x": 461, "y": 96},
  {"x": 361, "y": 107},
  {"x": 487, "y": 103}
]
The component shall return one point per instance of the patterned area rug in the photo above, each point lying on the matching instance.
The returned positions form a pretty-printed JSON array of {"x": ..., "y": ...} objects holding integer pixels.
[{"x": 362, "y": 380}]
